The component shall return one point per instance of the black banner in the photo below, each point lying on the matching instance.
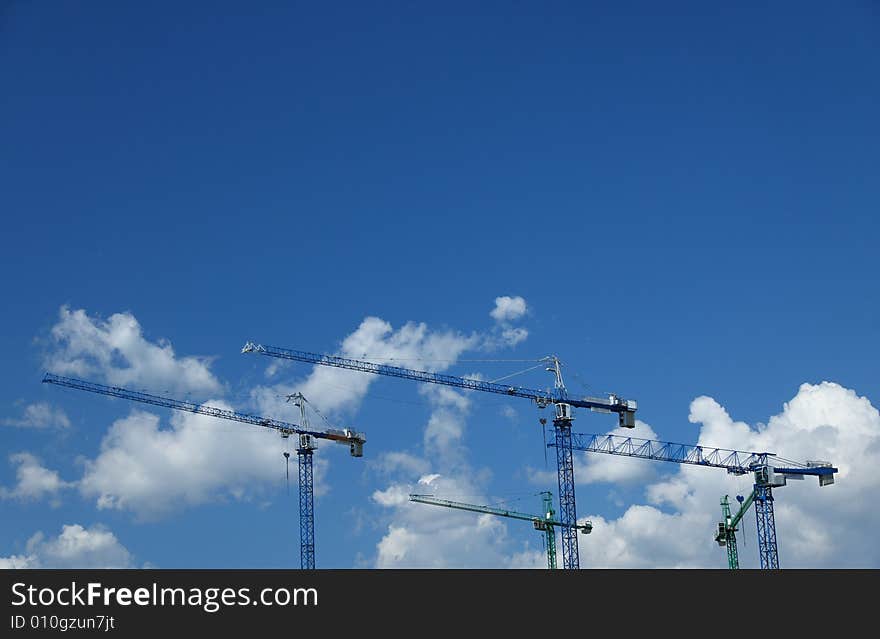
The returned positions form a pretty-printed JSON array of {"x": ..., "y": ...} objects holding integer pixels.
[{"x": 255, "y": 602}]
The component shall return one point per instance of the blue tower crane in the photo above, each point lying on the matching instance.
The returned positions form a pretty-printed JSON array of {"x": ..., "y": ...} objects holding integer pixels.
[
  {"x": 354, "y": 440},
  {"x": 559, "y": 397},
  {"x": 770, "y": 472}
]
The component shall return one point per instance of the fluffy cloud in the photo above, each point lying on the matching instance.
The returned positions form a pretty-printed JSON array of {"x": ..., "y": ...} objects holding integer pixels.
[
  {"x": 508, "y": 308},
  {"x": 116, "y": 351},
  {"x": 412, "y": 345},
  {"x": 596, "y": 468},
  {"x": 34, "y": 480},
  {"x": 513, "y": 336},
  {"x": 39, "y": 415},
  {"x": 817, "y": 527},
  {"x": 338, "y": 390},
  {"x": 142, "y": 466},
  {"x": 398, "y": 461},
  {"x": 75, "y": 547},
  {"x": 151, "y": 470},
  {"x": 425, "y": 536}
]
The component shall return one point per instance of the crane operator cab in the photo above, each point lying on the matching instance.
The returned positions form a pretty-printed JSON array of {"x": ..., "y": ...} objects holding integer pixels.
[{"x": 563, "y": 411}]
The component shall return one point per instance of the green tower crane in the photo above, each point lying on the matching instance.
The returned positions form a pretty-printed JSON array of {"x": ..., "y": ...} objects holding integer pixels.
[
  {"x": 726, "y": 535},
  {"x": 544, "y": 523}
]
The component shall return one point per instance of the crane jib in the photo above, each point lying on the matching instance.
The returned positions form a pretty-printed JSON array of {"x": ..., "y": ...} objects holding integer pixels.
[
  {"x": 200, "y": 409},
  {"x": 737, "y": 462},
  {"x": 585, "y": 527},
  {"x": 542, "y": 398},
  {"x": 734, "y": 461}
]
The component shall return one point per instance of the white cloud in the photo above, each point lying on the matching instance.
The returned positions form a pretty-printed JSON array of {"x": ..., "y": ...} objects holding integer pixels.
[
  {"x": 598, "y": 468},
  {"x": 504, "y": 334},
  {"x": 509, "y": 413},
  {"x": 151, "y": 470},
  {"x": 425, "y": 536},
  {"x": 413, "y": 345},
  {"x": 39, "y": 415},
  {"x": 816, "y": 527},
  {"x": 336, "y": 390},
  {"x": 276, "y": 366},
  {"x": 394, "y": 495},
  {"x": 420, "y": 535},
  {"x": 116, "y": 351},
  {"x": 398, "y": 461},
  {"x": 34, "y": 480},
  {"x": 508, "y": 308},
  {"x": 428, "y": 480},
  {"x": 645, "y": 537},
  {"x": 17, "y": 561},
  {"x": 443, "y": 433},
  {"x": 513, "y": 336},
  {"x": 75, "y": 547}
]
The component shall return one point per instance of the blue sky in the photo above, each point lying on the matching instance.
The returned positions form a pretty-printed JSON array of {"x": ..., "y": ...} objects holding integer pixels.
[{"x": 684, "y": 196}]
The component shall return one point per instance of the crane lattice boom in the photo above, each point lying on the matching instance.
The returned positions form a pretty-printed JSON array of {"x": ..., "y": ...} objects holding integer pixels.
[
  {"x": 541, "y": 397},
  {"x": 736, "y": 462},
  {"x": 585, "y": 527},
  {"x": 353, "y": 439}
]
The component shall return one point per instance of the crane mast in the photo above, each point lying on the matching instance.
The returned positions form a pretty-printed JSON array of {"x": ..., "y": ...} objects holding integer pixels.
[
  {"x": 550, "y": 531},
  {"x": 727, "y": 537},
  {"x": 304, "y": 454}
]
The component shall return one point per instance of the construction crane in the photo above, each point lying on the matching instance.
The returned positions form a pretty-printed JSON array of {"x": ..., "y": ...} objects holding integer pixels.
[
  {"x": 726, "y": 535},
  {"x": 767, "y": 478},
  {"x": 354, "y": 440},
  {"x": 770, "y": 471},
  {"x": 544, "y": 523},
  {"x": 559, "y": 397}
]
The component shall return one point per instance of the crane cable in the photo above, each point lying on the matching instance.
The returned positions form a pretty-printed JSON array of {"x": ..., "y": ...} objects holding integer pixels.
[
  {"x": 287, "y": 469},
  {"x": 525, "y": 370},
  {"x": 367, "y": 358}
]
